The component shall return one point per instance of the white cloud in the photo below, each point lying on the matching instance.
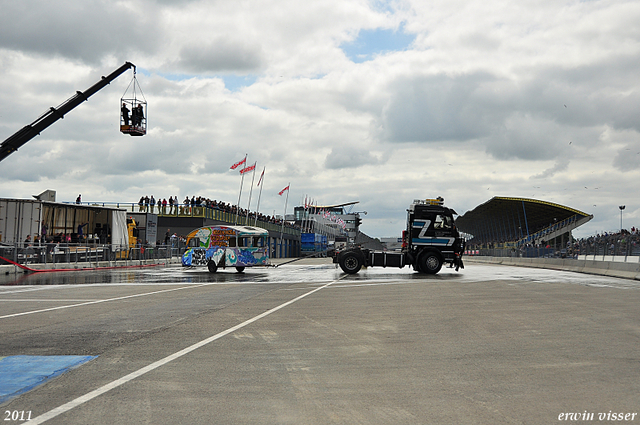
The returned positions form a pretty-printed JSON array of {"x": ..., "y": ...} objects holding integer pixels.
[{"x": 525, "y": 99}]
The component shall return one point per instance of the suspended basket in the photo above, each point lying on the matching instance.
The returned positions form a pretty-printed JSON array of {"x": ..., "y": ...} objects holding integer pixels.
[{"x": 133, "y": 110}]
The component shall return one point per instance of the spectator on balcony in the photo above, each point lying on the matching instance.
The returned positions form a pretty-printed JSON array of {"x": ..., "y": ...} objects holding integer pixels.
[{"x": 186, "y": 205}]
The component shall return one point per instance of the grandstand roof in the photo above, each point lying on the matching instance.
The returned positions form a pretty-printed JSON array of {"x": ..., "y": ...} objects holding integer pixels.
[
  {"x": 335, "y": 206},
  {"x": 509, "y": 219}
]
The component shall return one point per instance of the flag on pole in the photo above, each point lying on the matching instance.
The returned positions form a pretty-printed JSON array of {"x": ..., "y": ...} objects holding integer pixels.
[
  {"x": 249, "y": 168},
  {"x": 255, "y": 223},
  {"x": 233, "y": 167},
  {"x": 239, "y": 163},
  {"x": 283, "y": 190},
  {"x": 261, "y": 176}
]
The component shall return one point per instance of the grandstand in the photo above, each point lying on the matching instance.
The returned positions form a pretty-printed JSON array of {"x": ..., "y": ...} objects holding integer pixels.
[{"x": 510, "y": 223}]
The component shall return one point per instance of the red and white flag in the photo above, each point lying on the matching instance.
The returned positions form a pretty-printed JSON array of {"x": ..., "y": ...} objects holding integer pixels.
[
  {"x": 261, "y": 176},
  {"x": 239, "y": 163},
  {"x": 249, "y": 168},
  {"x": 283, "y": 190}
]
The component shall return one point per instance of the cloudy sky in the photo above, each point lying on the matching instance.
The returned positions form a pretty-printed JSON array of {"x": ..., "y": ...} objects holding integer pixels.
[{"x": 377, "y": 101}]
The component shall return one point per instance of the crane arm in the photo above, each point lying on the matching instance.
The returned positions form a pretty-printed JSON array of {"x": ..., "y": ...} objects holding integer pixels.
[{"x": 30, "y": 131}]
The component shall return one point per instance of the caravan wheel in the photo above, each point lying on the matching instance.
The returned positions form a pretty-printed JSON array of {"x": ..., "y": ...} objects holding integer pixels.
[{"x": 211, "y": 265}]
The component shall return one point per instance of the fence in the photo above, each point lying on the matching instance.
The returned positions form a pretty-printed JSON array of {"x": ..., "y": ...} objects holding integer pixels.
[
  {"x": 582, "y": 249},
  {"x": 515, "y": 252},
  {"x": 202, "y": 211},
  {"x": 70, "y": 253},
  {"x": 622, "y": 247}
]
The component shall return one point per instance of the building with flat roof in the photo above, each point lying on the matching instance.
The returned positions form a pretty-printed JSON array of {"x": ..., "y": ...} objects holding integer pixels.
[
  {"x": 61, "y": 222},
  {"x": 330, "y": 220}
]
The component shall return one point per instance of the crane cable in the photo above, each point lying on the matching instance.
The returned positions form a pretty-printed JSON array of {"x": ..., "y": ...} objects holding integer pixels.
[{"x": 135, "y": 83}]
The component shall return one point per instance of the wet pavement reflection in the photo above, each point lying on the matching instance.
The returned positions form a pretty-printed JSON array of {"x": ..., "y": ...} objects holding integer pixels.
[{"x": 314, "y": 274}]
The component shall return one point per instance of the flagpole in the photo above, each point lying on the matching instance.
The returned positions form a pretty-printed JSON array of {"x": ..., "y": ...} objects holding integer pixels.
[
  {"x": 255, "y": 223},
  {"x": 316, "y": 223},
  {"x": 284, "y": 215},
  {"x": 307, "y": 214},
  {"x": 310, "y": 217},
  {"x": 250, "y": 191},
  {"x": 307, "y": 210},
  {"x": 315, "y": 216},
  {"x": 304, "y": 214},
  {"x": 240, "y": 194}
]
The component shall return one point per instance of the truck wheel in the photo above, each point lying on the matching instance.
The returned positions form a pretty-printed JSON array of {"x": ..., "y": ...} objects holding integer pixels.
[
  {"x": 240, "y": 269},
  {"x": 350, "y": 262},
  {"x": 211, "y": 265},
  {"x": 429, "y": 262}
]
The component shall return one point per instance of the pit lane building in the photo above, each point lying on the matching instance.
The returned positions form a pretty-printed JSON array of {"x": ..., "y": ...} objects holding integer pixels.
[
  {"x": 330, "y": 220},
  {"x": 506, "y": 222}
]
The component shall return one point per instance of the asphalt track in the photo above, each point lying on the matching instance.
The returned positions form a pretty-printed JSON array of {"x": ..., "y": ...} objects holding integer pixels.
[{"x": 306, "y": 344}]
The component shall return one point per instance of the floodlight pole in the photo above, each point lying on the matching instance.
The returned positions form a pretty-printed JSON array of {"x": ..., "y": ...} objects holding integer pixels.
[{"x": 622, "y": 207}]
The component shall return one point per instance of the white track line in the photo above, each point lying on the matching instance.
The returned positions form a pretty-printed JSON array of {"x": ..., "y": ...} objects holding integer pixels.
[
  {"x": 36, "y": 300},
  {"x": 114, "y": 384},
  {"x": 2, "y": 292},
  {"x": 99, "y": 301}
]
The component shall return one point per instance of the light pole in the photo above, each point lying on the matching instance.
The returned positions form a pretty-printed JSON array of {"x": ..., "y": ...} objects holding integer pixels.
[{"x": 621, "y": 208}]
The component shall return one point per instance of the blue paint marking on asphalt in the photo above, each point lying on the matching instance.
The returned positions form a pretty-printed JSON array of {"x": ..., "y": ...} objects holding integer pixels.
[{"x": 19, "y": 374}]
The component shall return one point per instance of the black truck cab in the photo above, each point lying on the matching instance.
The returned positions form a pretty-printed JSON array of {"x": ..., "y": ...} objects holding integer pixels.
[{"x": 430, "y": 240}]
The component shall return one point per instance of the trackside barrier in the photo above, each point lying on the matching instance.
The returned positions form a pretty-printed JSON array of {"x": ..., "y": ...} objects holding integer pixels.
[
  {"x": 6, "y": 269},
  {"x": 626, "y": 270},
  {"x": 17, "y": 258},
  {"x": 616, "y": 258}
]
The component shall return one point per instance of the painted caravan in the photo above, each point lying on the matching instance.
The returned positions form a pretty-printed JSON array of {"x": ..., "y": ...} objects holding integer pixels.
[{"x": 227, "y": 246}]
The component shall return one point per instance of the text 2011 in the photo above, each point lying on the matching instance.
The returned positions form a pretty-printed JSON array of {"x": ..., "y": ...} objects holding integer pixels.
[{"x": 17, "y": 415}]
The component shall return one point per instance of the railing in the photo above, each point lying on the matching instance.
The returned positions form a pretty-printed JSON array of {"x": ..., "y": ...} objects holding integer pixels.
[
  {"x": 514, "y": 252},
  {"x": 546, "y": 232},
  {"x": 602, "y": 248},
  {"x": 626, "y": 248},
  {"x": 70, "y": 253},
  {"x": 183, "y": 210}
]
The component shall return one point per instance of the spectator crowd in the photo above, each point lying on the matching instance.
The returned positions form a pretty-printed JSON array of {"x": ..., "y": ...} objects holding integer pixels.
[
  {"x": 173, "y": 206},
  {"x": 625, "y": 242}
]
